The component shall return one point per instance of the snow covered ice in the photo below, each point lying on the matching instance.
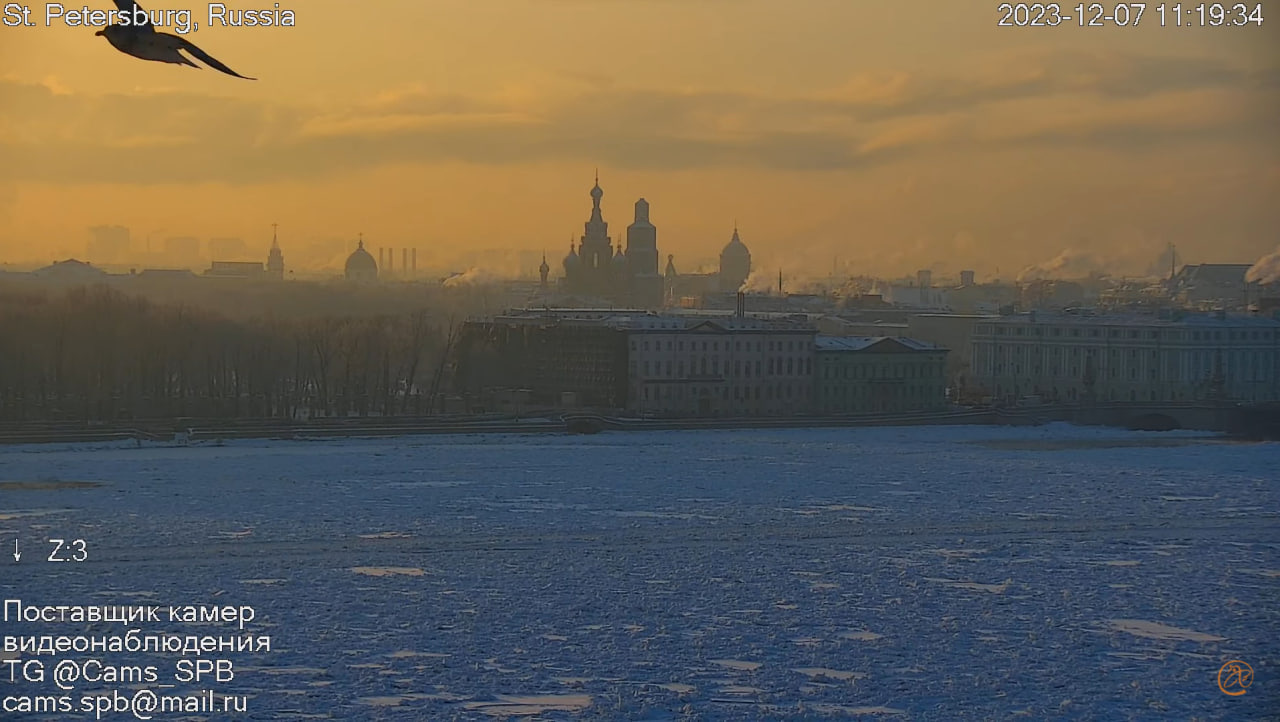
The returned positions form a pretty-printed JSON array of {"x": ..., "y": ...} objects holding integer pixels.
[{"x": 925, "y": 573}]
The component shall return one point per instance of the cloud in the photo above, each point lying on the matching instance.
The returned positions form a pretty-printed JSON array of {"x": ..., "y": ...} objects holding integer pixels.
[{"x": 1047, "y": 99}]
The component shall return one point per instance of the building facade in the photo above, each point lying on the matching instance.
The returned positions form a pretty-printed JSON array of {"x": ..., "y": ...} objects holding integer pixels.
[
  {"x": 879, "y": 375},
  {"x": 1079, "y": 357},
  {"x": 721, "y": 366},
  {"x": 554, "y": 358}
]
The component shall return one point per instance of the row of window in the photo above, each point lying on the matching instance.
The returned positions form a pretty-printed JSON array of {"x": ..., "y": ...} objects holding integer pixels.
[
  {"x": 883, "y": 371},
  {"x": 767, "y": 392},
  {"x": 716, "y": 346},
  {"x": 802, "y": 366}
]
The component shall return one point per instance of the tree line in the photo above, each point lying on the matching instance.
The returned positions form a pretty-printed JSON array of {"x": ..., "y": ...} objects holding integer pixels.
[{"x": 98, "y": 354}]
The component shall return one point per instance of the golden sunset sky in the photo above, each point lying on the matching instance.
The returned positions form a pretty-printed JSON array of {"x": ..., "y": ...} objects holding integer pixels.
[{"x": 889, "y": 135}]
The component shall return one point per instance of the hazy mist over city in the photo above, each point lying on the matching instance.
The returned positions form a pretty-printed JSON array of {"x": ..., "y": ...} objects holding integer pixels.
[
  {"x": 639, "y": 360},
  {"x": 855, "y": 135}
]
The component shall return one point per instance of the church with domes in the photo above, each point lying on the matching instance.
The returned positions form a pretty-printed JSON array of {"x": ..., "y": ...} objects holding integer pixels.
[{"x": 597, "y": 269}]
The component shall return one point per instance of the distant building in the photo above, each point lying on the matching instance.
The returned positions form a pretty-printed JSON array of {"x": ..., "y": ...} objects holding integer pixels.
[
  {"x": 644, "y": 284},
  {"x": 723, "y": 366},
  {"x": 922, "y": 294},
  {"x": 952, "y": 331},
  {"x": 547, "y": 358},
  {"x": 275, "y": 258},
  {"x": 735, "y": 264},
  {"x": 595, "y": 269},
  {"x": 273, "y": 270},
  {"x": 243, "y": 270},
  {"x": 1077, "y": 357},
  {"x": 165, "y": 274},
  {"x": 360, "y": 265},
  {"x": 1209, "y": 286},
  {"x": 879, "y": 374},
  {"x": 70, "y": 270},
  {"x": 674, "y": 365}
]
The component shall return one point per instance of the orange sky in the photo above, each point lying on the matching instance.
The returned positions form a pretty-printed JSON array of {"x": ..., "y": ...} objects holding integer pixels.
[{"x": 888, "y": 135}]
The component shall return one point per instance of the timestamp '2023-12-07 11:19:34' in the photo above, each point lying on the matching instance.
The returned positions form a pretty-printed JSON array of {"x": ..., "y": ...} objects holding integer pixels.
[{"x": 1165, "y": 15}]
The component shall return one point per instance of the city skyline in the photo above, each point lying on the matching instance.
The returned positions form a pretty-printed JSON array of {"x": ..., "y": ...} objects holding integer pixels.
[{"x": 857, "y": 132}]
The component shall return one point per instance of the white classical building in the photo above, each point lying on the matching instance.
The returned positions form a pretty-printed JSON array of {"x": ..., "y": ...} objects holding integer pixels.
[
  {"x": 720, "y": 366},
  {"x": 1077, "y": 356}
]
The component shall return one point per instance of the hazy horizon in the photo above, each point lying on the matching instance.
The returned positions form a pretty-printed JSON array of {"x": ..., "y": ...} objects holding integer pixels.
[{"x": 863, "y": 135}]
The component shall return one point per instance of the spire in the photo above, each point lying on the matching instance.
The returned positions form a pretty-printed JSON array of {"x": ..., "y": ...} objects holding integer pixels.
[
  {"x": 274, "y": 228},
  {"x": 360, "y": 242}
]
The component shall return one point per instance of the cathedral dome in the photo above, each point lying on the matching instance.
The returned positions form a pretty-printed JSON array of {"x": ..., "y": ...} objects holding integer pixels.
[
  {"x": 360, "y": 264},
  {"x": 735, "y": 247},
  {"x": 618, "y": 258},
  {"x": 572, "y": 259}
]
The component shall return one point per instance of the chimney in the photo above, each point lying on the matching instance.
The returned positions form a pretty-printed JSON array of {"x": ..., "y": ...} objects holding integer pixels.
[
  {"x": 742, "y": 304},
  {"x": 966, "y": 278},
  {"x": 413, "y": 261},
  {"x": 404, "y": 260}
]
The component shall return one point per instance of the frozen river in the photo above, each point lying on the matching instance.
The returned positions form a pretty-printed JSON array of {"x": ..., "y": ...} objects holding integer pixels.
[{"x": 927, "y": 573}]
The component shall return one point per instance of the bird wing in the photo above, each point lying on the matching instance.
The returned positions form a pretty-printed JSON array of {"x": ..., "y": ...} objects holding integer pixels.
[
  {"x": 131, "y": 7},
  {"x": 202, "y": 56}
]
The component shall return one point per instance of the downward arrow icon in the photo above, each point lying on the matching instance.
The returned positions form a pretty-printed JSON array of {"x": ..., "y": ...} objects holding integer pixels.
[{"x": 17, "y": 555}]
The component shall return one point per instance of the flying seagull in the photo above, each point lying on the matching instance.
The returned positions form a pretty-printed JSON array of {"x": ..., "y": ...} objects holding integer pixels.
[{"x": 142, "y": 41}]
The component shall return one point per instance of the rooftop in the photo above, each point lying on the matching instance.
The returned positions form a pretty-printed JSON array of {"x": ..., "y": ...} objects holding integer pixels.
[{"x": 861, "y": 343}]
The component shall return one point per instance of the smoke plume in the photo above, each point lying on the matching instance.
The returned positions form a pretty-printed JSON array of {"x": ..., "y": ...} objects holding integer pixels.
[
  {"x": 1266, "y": 270},
  {"x": 1070, "y": 263}
]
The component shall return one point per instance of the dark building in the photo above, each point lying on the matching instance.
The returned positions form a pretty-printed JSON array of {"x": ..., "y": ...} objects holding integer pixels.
[
  {"x": 885, "y": 375},
  {"x": 596, "y": 269},
  {"x": 558, "y": 361},
  {"x": 360, "y": 265},
  {"x": 735, "y": 264}
]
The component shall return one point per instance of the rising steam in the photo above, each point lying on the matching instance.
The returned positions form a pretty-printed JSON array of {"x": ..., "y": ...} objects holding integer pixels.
[
  {"x": 1266, "y": 270},
  {"x": 1070, "y": 263}
]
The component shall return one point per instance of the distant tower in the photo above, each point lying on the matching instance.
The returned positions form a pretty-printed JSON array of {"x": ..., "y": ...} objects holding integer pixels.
[
  {"x": 595, "y": 252},
  {"x": 543, "y": 270},
  {"x": 735, "y": 263},
  {"x": 275, "y": 259},
  {"x": 642, "y": 259}
]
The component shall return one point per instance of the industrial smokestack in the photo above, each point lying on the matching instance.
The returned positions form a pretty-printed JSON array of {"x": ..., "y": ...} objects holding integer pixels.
[
  {"x": 404, "y": 260},
  {"x": 391, "y": 259},
  {"x": 413, "y": 262}
]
